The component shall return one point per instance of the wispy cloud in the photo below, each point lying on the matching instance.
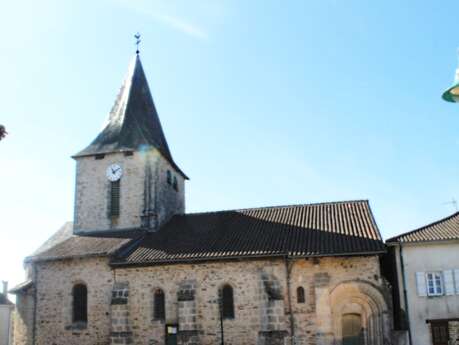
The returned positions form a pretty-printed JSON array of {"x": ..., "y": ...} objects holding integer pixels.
[
  {"x": 161, "y": 15},
  {"x": 180, "y": 25}
]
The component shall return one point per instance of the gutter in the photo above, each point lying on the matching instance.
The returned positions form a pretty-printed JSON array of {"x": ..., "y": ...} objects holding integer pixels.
[
  {"x": 202, "y": 259},
  {"x": 288, "y": 269},
  {"x": 405, "y": 295}
]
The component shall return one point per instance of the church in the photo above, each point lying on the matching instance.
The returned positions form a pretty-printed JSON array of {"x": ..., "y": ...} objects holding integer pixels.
[{"x": 134, "y": 268}]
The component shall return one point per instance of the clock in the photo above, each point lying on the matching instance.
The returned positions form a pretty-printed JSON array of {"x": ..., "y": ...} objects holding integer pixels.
[{"x": 114, "y": 172}]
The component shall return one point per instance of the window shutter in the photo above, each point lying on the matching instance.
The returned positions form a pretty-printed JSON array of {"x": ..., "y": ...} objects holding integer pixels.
[
  {"x": 456, "y": 278},
  {"x": 421, "y": 283},
  {"x": 449, "y": 282}
]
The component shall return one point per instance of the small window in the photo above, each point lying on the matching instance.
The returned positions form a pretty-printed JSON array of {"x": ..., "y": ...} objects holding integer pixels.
[
  {"x": 159, "y": 305},
  {"x": 169, "y": 177},
  {"x": 434, "y": 283},
  {"x": 227, "y": 302},
  {"x": 300, "y": 295},
  {"x": 115, "y": 199},
  {"x": 99, "y": 156},
  {"x": 175, "y": 184},
  {"x": 80, "y": 303}
]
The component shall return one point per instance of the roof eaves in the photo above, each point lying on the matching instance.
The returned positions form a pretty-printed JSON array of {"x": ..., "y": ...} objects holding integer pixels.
[
  {"x": 21, "y": 287},
  {"x": 399, "y": 237},
  {"x": 30, "y": 259},
  {"x": 239, "y": 258}
]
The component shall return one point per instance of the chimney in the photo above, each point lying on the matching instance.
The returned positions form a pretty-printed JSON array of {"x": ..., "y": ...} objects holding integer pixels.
[{"x": 5, "y": 286}]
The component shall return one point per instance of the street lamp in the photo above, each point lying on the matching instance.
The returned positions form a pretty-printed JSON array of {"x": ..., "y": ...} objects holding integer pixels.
[{"x": 452, "y": 93}]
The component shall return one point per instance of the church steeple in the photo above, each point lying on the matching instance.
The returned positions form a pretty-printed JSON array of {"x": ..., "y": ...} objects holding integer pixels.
[
  {"x": 133, "y": 122},
  {"x": 126, "y": 178}
]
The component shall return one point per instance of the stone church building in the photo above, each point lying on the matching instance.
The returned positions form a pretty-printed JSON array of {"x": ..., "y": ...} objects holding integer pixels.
[{"x": 135, "y": 268}]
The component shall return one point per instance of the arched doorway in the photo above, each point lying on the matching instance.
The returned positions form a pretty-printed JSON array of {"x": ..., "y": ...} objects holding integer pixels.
[
  {"x": 360, "y": 314},
  {"x": 352, "y": 329}
]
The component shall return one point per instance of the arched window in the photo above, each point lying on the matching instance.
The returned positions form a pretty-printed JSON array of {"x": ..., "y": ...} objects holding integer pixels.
[
  {"x": 169, "y": 177},
  {"x": 227, "y": 302},
  {"x": 300, "y": 295},
  {"x": 159, "y": 305},
  {"x": 115, "y": 198},
  {"x": 80, "y": 303},
  {"x": 175, "y": 184}
]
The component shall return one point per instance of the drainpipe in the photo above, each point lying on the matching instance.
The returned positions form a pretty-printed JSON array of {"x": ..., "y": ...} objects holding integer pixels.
[
  {"x": 405, "y": 296},
  {"x": 220, "y": 307},
  {"x": 289, "y": 296},
  {"x": 35, "y": 294}
]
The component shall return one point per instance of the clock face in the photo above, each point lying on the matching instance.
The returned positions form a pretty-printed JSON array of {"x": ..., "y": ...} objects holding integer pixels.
[{"x": 114, "y": 172}]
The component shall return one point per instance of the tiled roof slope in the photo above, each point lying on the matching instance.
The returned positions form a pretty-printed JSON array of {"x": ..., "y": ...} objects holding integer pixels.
[
  {"x": 441, "y": 230},
  {"x": 82, "y": 246},
  {"x": 326, "y": 229}
]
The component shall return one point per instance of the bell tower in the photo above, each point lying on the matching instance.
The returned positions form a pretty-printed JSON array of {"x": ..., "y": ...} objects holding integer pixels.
[{"x": 126, "y": 178}]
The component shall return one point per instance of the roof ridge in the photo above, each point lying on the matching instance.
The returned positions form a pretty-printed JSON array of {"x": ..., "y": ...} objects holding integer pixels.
[
  {"x": 396, "y": 238},
  {"x": 355, "y": 201}
]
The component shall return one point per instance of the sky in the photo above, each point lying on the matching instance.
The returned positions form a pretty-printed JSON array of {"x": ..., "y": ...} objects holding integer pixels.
[{"x": 263, "y": 103}]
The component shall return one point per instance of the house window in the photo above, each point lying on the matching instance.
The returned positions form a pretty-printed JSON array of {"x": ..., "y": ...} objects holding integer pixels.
[
  {"x": 227, "y": 302},
  {"x": 175, "y": 184},
  {"x": 80, "y": 303},
  {"x": 434, "y": 283},
  {"x": 115, "y": 198},
  {"x": 159, "y": 305},
  {"x": 169, "y": 177},
  {"x": 300, "y": 295}
]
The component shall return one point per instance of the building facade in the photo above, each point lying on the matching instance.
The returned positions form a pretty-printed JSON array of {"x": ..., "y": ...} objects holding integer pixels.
[
  {"x": 426, "y": 264},
  {"x": 6, "y": 309},
  {"x": 134, "y": 268}
]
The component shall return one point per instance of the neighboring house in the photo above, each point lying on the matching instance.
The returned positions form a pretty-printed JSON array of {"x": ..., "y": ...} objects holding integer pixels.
[
  {"x": 6, "y": 308},
  {"x": 426, "y": 282},
  {"x": 134, "y": 268}
]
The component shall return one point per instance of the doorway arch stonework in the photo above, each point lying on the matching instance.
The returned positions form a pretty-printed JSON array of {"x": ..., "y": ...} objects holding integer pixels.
[{"x": 364, "y": 299}]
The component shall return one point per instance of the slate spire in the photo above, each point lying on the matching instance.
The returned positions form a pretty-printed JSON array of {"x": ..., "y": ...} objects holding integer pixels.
[{"x": 133, "y": 122}]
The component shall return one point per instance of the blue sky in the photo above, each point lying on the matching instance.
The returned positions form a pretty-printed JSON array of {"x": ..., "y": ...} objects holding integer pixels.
[{"x": 262, "y": 102}]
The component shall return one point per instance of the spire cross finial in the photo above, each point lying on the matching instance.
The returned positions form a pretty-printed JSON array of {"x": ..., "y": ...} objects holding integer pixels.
[{"x": 137, "y": 42}]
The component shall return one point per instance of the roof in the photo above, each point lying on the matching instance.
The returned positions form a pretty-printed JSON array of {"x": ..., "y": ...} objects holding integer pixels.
[
  {"x": 133, "y": 122},
  {"x": 325, "y": 229},
  {"x": 83, "y": 246},
  {"x": 441, "y": 230},
  {"x": 64, "y": 233},
  {"x": 21, "y": 287},
  {"x": 4, "y": 300}
]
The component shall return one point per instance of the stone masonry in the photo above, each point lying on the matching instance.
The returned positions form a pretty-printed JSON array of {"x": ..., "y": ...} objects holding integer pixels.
[
  {"x": 121, "y": 332},
  {"x": 120, "y": 308},
  {"x": 92, "y": 191}
]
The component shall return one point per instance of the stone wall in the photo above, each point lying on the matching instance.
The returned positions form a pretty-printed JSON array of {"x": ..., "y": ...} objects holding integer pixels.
[
  {"x": 22, "y": 318},
  {"x": 192, "y": 301},
  {"x": 453, "y": 327},
  {"x": 92, "y": 192},
  {"x": 55, "y": 281}
]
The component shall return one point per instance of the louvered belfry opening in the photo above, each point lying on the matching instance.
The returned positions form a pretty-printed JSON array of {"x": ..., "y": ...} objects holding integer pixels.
[
  {"x": 115, "y": 199},
  {"x": 159, "y": 307},
  {"x": 227, "y": 302},
  {"x": 80, "y": 303}
]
